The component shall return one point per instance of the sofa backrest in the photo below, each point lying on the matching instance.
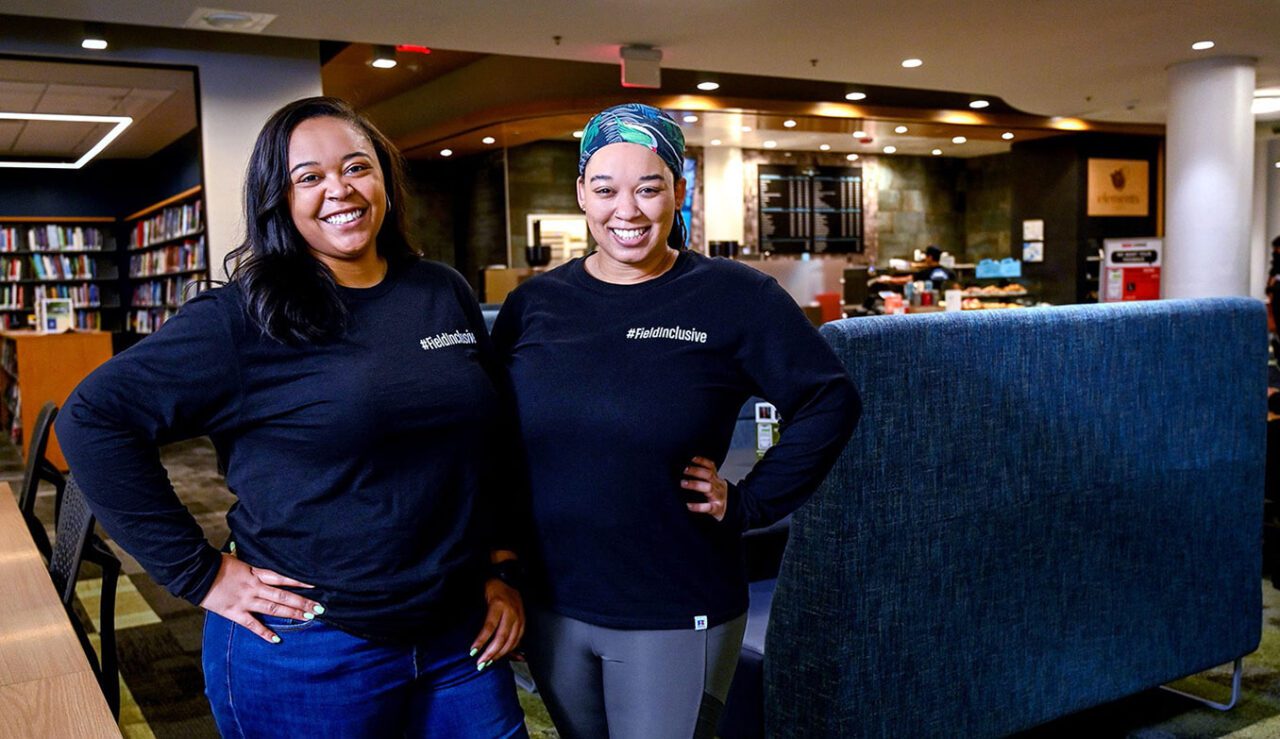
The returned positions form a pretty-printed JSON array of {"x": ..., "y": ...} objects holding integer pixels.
[{"x": 1040, "y": 511}]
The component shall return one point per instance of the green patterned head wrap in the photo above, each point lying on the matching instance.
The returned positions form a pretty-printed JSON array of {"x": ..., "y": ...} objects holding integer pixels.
[{"x": 636, "y": 123}]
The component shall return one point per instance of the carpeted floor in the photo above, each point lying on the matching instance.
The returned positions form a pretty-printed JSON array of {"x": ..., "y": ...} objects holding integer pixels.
[{"x": 162, "y": 687}]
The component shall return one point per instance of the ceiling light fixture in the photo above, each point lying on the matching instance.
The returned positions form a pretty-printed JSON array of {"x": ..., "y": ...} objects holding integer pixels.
[
  {"x": 936, "y": 152},
  {"x": 825, "y": 147},
  {"x": 859, "y": 134},
  {"x": 855, "y": 95},
  {"x": 384, "y": 57},
  {"x": 789, "y": 123},
  {"x": 715, "y": 142},
  {"x": 122, "y": 122},
  {"x": 900, "y": 129},
  {"x": 1202, "y": 45},
  {"x": 446, "y": 152},
  {"x": 912, "y": 63},
  {"x": 1007, "y": 135},
  {"x": 851, "y": 157},
  {"x": 691, "y": 118},
  {"x": 979, "y": 104},
  {"x": 488, "y": 140},
  {"x": 771, "y": 144},
  {"x": 95, "y": 37},
  {"x": 577, "y": 134},
  {"x": 958, "y": 139},
  {"x": 708, "y": 85},
  {"x": 230, "y": 21},
  {"x": 890, "y": 149}
]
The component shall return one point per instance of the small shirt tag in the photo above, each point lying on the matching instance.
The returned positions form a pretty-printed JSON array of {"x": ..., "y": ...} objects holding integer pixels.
[{"x": 699, "y": 623}]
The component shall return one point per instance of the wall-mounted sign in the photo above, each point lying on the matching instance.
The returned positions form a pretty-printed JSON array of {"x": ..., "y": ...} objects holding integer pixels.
[
  {"x": 810, "y": 209},
  {"x": 1118, "y": 187},
  {"x": 1130, "y": 270}
]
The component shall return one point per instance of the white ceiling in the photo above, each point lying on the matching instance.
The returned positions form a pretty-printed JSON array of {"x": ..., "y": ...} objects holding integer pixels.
[
  {"x": 161, "y": 102},
  {"x": 1103, "y": 60}
]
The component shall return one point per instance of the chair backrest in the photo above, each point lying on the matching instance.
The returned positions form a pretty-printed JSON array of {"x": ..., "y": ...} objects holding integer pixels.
[
  {"x": 37, "y": 467},
  {"x": 1041, "y": 510},
  {"x": 75, "y": 525}
]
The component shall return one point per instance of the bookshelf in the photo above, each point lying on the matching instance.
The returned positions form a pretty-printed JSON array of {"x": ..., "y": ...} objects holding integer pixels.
[
  {"x": 58, "y": 257},
  {"x": 167, "y": 259}
]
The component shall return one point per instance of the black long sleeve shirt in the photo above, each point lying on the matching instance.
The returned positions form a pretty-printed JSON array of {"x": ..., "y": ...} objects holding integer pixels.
[
  {"x": 617, "y": 388},
  {"x": 359, "y": 465}
]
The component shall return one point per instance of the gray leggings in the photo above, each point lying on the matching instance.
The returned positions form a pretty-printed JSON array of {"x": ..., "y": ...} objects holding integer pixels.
[{"x": 623, "y": 683}]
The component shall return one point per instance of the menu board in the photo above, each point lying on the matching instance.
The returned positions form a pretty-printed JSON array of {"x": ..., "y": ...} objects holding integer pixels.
[{"x": 815, "y": 209}]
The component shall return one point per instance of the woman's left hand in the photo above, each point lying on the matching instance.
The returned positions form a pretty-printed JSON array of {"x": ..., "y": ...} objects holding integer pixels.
[
  {"x": 701, "y": 476},
  {"x": 503, "y": 624}
]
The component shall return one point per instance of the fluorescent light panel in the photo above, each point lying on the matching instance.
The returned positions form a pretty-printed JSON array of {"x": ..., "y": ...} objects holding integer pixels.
[{"x": 122, "y": 122}]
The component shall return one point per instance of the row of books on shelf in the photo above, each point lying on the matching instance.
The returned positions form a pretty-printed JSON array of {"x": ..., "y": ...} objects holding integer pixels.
[
  {"x": 170, "y": 223},
  {"x": 185, "y": 256},
  {"x": 147, "y": 320},
  {"x": 168, "y": 292},
  {"x": 56, "y": 267},
  {"x": 14, "y": 297},
  {"x": 52, "y": 237}
]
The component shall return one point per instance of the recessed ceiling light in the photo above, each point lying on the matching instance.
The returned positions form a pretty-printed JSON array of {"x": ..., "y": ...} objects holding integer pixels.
[
  {"x": 384, "y": 57},
  {"x": 979, "y": 104},
  {"x": 691, "y": 118},
  {"x": 890, "y": 149},
  {"x": 746, "y": 129},
  {"x": 855, "y": 95},
  {"x": 825, "y": 147},
  {"x": 1007, "y": 135},
  {"x": 912, "y": 63},
  {"x": 715, "y": 142},
  {"x": 859, "y": 134},
  {"x": 851, "y": 157},
  {"x": 770, "y": 144},
  {"x": 900, "y": 129},
  {"x": 577, "y": 134},
  {"x": 958, "y": 139},
  {"x": 1202, "y": 45},
  {"x": 95, "y": 37},
  {"x": 936, "y": 152},
  {"x": 488, "y": 140},
  {"x": 121, "y": 123},
  {"x": 789, "y": 123},
  {"x": 708, "y": 86},
  {"x": 446, "y": 152}
]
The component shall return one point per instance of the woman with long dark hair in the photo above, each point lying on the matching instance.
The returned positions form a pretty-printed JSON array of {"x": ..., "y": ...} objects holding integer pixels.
[{"x": 347, "y": 385}]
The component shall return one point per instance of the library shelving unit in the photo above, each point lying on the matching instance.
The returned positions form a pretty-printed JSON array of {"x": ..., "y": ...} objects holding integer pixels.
[
  {"x": 168, "y": 259},
  {"x": 58, "y": 257}
]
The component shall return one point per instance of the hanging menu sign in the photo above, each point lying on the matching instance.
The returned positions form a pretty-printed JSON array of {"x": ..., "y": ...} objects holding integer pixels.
[
  {"x": 810, "y": 209},
  {"x": 837, "y": 209}
]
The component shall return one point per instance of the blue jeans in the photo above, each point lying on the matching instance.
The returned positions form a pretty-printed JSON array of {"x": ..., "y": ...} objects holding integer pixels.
[{"x": 320, "y": 681}]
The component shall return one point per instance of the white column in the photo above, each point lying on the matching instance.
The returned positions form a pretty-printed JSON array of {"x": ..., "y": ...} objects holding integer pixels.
[
  {"x": 723, "y": 193},
  {"x": 1209, "y": 178}
]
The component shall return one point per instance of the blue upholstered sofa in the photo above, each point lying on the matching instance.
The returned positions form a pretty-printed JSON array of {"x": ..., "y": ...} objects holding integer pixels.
[{"x": 1040, "y": 511}]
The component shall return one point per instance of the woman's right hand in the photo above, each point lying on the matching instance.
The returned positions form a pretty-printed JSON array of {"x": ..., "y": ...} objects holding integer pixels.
[{"x": 240, "y": 590}]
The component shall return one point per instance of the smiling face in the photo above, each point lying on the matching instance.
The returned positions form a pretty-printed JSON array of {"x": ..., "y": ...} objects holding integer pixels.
[
  {"x": 337, "y": 195},
  {"x": 630, "y": 199}
]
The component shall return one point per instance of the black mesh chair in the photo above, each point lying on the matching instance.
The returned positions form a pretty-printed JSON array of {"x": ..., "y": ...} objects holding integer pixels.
[
  {"x": 74, "y": 543},
  {"x": 39, "y": 469}
]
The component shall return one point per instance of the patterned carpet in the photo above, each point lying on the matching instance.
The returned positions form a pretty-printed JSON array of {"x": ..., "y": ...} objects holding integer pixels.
[{"x": 162, "y": 687}]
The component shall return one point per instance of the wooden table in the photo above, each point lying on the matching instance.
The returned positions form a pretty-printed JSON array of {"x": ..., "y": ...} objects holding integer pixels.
[{"x": 47, "y": 688}]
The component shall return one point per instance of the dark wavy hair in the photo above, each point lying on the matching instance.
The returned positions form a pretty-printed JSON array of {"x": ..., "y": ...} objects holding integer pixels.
[{"x": 290, "y": 294}]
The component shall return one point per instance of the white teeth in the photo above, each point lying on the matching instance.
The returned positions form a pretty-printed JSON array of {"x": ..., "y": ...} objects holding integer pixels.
[
  {"x": 341, "y": 218},
  {"x": 629, "y": 233}
]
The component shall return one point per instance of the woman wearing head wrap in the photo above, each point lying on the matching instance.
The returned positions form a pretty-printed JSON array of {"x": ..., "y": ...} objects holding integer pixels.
[{"x": 628, "y": 367}]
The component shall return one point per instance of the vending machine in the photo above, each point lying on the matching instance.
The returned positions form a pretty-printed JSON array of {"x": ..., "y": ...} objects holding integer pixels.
[{"x": 1130, "y": 270}]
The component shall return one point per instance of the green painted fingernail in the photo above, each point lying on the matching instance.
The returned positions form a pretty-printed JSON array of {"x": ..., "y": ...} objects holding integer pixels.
[
  {"x": 319, "y": 609},
  {"x": 486, "y": 664},
  {"x": 309, "y": 616},
  {"x": 474, "y": 651},
  {"x": 275, "y": 640},
  {"x": 480, "y": 667}
]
